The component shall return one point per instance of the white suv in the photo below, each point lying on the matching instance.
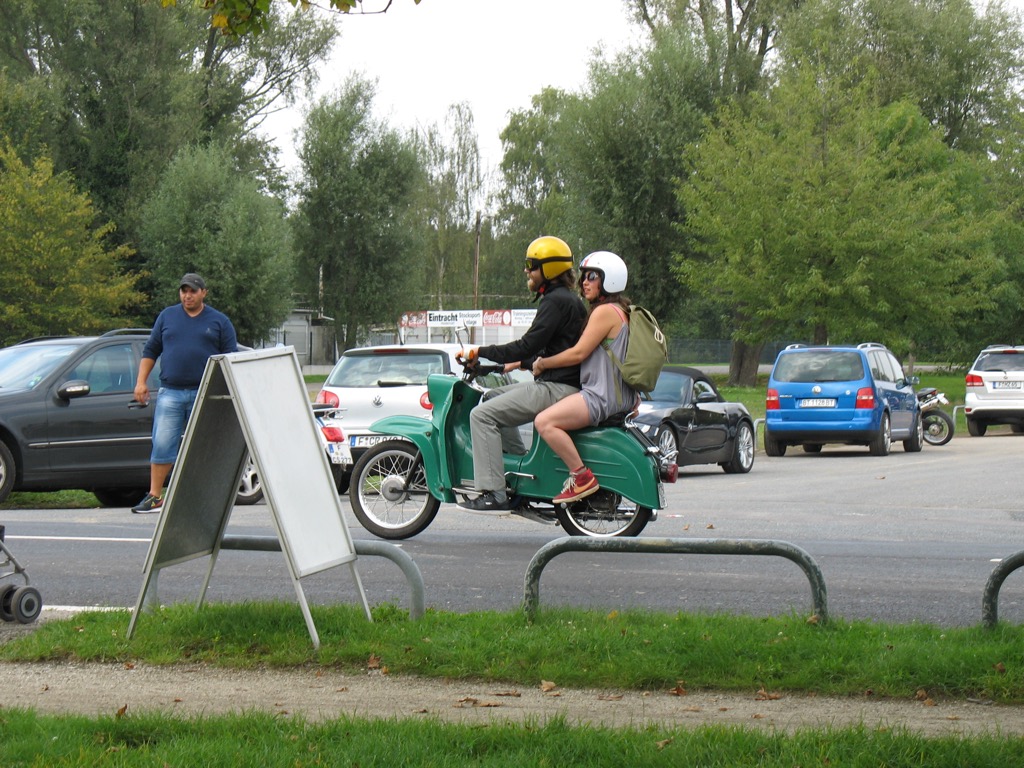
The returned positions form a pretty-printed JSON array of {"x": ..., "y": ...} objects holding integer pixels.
[
  {"x": 369, "y": 383},
  {"x": 995, "y": 389}
]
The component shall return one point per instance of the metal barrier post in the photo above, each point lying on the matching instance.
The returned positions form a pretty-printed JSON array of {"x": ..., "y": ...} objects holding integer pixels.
[
  {"x": 757, "y": 424},
  {"x": 990, "y": 597},
  {"x": 362, "y": 548},
  {"x": 531, "y": 594}
]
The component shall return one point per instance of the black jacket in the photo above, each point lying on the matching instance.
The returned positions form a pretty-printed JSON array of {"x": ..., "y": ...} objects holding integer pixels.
[{"x": 557, "y": 327}]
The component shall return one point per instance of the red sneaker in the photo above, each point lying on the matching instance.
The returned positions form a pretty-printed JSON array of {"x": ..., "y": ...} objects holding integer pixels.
[{"x": 577, "y": 487}]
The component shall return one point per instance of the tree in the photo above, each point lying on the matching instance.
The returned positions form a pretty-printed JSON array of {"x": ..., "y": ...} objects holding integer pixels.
[
  {"x": 531, "y": 196},
  {"x": 133, "y": 84},
  {"x": 451, "y": 200},
  {"x": 354, "y": 220},
  {"x": 207, "y": 217},
  {"x": 237, "y": 18},
  {"x": 736, "y": 37},
  {"x": 57, "y": 274},
  {"x": 597, "y": 168},
  {"x": 962, "y": 68},
  {"x": 829, "y": 218}
]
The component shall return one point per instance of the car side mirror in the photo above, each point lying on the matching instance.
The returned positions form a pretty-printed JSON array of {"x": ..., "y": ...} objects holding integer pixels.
[
  {"x": 707, "y": 397},
  {"x": 74, "y": 388},
  {"x": 914, "y": 380}
]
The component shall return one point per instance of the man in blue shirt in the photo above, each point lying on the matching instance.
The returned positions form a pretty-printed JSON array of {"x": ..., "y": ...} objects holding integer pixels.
[{"x": 184, "y": 336}]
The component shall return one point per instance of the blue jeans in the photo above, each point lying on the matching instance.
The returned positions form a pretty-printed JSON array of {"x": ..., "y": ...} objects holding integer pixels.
[{"x": 173, "y": 407}]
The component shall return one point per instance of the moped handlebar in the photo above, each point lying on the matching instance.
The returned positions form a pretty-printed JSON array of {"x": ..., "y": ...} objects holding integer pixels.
[{"x": 472, "y": 369}]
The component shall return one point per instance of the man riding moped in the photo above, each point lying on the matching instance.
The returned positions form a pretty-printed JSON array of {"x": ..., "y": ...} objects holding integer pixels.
[
  {"x": 399, "y": 485},
  {"x": 555, "y": 328}
]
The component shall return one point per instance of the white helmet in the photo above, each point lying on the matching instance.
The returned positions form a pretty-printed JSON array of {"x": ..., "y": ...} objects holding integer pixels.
[{"x": 611, "y": 266}]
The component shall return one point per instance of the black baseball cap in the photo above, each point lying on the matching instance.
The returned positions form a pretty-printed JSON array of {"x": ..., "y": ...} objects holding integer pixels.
[{"x": 193, "y": 281}]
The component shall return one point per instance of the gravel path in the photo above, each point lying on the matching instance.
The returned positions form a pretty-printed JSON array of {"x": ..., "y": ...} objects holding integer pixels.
[{"x": 314, "y": 693}]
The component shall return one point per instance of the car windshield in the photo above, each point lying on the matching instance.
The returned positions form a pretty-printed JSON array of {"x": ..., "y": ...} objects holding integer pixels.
[
  {"x": 392, "y": 369},
  {"x": 672, "y": 387},
  {"x": 819, "y": 365},
  {"x": 1000, "y": 361},
  {"x": 23, "y": 367}
]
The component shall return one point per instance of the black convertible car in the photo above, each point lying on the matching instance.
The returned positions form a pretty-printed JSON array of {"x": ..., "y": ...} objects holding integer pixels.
[{"x": 686, "y": 415}]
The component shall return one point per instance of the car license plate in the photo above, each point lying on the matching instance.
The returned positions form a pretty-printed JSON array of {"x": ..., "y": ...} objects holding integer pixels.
[
  {"x": 1005, "y": 385},
  {"x": 339, "y": 453},
  {"x": 367, "y": 441},
  {"x": 818, "y": 402}
]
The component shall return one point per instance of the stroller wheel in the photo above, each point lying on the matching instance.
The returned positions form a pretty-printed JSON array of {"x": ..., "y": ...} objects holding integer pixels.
[
  {"x": 7, "y": 602},
  {"x": 27, "y": 604}
]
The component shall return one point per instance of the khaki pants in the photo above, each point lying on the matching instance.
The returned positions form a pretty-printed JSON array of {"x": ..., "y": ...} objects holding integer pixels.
[{"x": 493, "y": 424}]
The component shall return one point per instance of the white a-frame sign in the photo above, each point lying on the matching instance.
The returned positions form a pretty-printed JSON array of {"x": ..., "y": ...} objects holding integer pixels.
[{"x": 253, "y": 404}]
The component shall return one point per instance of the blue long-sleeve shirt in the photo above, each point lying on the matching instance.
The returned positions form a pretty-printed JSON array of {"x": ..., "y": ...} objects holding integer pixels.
[{"x": 184, "y": 344}]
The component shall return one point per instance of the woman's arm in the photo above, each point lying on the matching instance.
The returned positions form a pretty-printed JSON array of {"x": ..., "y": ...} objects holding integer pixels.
[{"x": 603, "y": 320}]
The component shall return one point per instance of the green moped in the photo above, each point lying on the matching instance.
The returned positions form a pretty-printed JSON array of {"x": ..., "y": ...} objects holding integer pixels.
[{"x": 398, "y": 485}]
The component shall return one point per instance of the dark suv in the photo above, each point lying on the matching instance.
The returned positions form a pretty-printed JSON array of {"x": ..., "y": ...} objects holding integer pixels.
[
  {"x": 65, "y": 420},
  {"x": 851, "y": 395}
]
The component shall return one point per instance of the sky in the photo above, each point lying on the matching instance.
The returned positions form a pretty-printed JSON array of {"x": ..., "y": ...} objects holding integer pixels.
[{"x": 493, "y": 54}]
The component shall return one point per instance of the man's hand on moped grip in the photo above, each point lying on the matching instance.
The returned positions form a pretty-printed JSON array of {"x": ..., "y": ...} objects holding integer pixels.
[{"x": 468, "y": 357}]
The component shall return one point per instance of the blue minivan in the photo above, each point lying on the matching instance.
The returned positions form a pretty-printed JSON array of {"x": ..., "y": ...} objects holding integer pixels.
[{"x": 854, "y": 395}]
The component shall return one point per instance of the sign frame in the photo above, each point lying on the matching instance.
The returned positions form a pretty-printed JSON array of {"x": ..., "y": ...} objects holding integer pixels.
[{"x": 253, "y": 405}]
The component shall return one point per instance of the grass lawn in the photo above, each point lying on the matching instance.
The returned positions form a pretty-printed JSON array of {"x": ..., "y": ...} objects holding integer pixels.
[{"x": 629, "y": 650}]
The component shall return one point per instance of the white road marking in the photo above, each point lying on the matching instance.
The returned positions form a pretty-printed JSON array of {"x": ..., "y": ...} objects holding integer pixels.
[{"x": 75, "y": 538}]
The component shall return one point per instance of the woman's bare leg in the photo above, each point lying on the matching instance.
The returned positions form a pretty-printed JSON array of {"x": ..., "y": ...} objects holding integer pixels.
[{"x": 552, "y": 425}]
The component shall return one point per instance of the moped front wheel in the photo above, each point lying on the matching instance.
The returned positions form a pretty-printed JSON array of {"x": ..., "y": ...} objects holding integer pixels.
[
  {"x": 389, "y": 492},
  {"x": 602, "y": 515},
  {"x": 938, "y": 427}
]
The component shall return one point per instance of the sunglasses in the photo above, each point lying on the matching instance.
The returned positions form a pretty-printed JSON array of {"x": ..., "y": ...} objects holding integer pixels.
[{"x": 590, "y": 277}]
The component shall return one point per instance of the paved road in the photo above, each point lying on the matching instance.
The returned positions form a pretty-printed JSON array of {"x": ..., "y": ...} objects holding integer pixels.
[{"x": 909, "y": 537}]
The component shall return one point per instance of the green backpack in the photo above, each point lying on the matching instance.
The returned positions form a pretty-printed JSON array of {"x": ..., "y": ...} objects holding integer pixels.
[{"x": 646, "y": 352}]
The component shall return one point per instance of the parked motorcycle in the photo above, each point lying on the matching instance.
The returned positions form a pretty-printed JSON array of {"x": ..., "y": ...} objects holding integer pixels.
[
  {"x": 397, "y": 486},
  {"x": 937, "y": 424}
]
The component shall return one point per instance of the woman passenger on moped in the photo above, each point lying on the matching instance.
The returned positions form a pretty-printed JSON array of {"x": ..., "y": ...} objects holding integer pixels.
[{"x": 603, "y": 277}]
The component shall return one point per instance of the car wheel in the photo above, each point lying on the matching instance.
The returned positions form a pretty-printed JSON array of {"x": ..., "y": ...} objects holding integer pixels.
[
  {"x": 976, "y": 428},
  {"x": 668, "y": 443},
  {"x": 742, "y": 450},
  {"x": 250, "y": 490},
  {"x": 883, "y": 440},
  {"x": 773, "y": 447},
  {"x": 119, "y": 497},
  {"x": 7, "y": 472},
  {"x": 915, "y": 442},
  {"x": 812, "y": 447}
]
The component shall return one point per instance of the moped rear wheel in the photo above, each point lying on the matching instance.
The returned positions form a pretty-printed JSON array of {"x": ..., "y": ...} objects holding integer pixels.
[
  {"x": 602, "y": 515},
  {"x": 938, "y": 427},
  {"x": 389, "y": 492}
]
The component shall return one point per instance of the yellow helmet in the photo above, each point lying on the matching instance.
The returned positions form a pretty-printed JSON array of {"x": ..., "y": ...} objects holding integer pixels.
[{"x": 550, "y": 253}]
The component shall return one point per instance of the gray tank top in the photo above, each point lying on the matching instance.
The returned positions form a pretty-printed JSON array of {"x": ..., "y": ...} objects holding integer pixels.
[{"x": 604, "y": 391}]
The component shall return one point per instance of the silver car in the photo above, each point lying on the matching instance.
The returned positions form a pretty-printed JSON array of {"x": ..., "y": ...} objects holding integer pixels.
[
  {"x": 369, "y": 383},
  {"x": 995, "y": 389}
]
